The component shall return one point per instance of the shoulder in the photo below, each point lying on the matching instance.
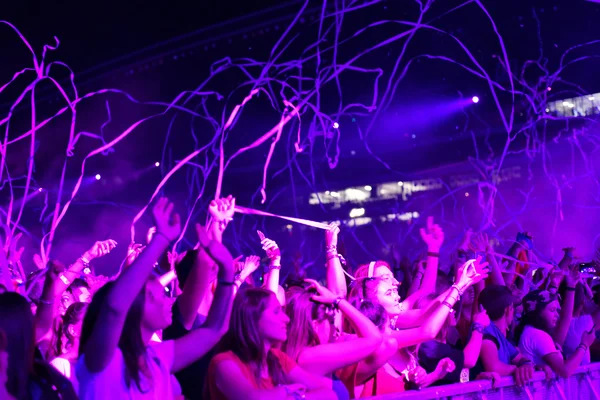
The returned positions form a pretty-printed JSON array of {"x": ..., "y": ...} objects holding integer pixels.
[
  {"x": 286, "y": 361},
  {"x": 225, "y": 356}
]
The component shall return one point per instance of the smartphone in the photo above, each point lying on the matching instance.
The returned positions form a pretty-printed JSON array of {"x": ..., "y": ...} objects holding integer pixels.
[
  {"x": 261, "y": 235},
  {"x": 587, "y": 268}
]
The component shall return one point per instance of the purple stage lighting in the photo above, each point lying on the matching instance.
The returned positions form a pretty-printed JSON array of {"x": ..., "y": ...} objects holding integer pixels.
[
  {"x": 157, "y": 164},
  {"x": 475, "y": 99},
  {"x": 98, "y": 177}
]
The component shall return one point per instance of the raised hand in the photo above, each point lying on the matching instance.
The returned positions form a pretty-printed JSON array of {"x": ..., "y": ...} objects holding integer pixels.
[
  {"x": 470, "y": 273},
  {"x": 272, "y": 250},
  {"x": 99, "y": 249},
  {"x": 324, "y": 296},
  {"x": 222, "y": 210},
  {"x": 55, "y": 269},
  {"x": 166, "y": 220},
  {"x": 250, "y": 264},
  {"x": 331, "y": 236},
  {"x": 432, "y": 235},
  {"x": 133, "y": 251},
  {"x": 481, "y": 317},
  {"x": 480, "y": 243}
]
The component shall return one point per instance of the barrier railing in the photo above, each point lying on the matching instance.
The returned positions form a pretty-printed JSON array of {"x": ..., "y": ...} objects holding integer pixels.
[{"x": 582, "y": 385}]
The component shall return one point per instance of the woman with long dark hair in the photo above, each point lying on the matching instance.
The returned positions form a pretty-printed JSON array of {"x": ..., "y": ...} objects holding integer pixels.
[
  {"x": 116, "y": 359},
  {"x": 66, "y": 343},
  {"x": 253, "y": 367},
  {"x": 540, "y": 330}
]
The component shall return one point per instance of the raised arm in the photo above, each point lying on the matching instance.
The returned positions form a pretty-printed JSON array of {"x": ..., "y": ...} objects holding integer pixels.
[
  {"x": 326, "y": 358},
  {"x": 45, "y": 312},
  {"x": 481, "y": 244},
  {"x": 471, "y": 272},
  {"x": 271, "y": 275},
  {"x": 433, "y": 236},
  {"x": 250, "y": 264},
  {"x": 99, "y": 249},
  {"x": 221, "y": 212},
  {"x": 473, "y": 347},
  {"x": 197, "y": 285},
  {"x": 565, "y": 368},
  {"x": 566, "y": 312},
  {"x": 104, "y": 340},
  {"x": 336, "y": 281},
  {"x": 197, "y": 343}
]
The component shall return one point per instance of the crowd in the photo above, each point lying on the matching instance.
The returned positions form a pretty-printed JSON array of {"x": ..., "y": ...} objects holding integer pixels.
[{"x": 195, "y": 325}]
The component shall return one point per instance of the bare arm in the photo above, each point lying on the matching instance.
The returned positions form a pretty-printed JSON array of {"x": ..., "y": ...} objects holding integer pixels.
[
  {"x": 336, "y": 281},
  {"x": 327, "y": 358},
  {"x": 318, "y": 388},
  {"x": 104, "y": 339},
  {"x": 472, "y": 349},
  {"x": 197, "y": 343},
  {"x": 99, "y": 249},
  {"x": 566, "y": 313},
  {"x": 45, "y": 313},
  {"x": 561, "y": 367},
  {"x": 491, "y": 362},
  {"x": 197, "y": 287}
]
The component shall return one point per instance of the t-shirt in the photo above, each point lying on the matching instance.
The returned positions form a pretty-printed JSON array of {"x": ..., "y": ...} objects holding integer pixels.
[
  {"x": 287, "y": 365},
  {"x": 432, "y": 352},
  {"x": 535, "y": 344},
  {"x": 65, "y": 367},
  {"x": 110, "y": 383},
  {"x": 193, "y": 377},
  {"x": 506, "y": 350},
  {"x": 583, "y": 323}
]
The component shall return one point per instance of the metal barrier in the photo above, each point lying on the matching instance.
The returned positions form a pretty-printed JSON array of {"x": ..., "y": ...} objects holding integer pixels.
[{"x": 582, "y": 385}]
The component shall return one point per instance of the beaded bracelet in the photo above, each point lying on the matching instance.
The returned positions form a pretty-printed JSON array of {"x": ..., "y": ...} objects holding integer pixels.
[
  {"x": 336, "y": 303},
  {"x": 476, "y": 326}
]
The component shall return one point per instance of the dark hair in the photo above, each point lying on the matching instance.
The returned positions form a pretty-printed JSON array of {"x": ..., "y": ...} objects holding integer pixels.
[
  {"x": 374, "y": 311},
  {"x": 16, "y": 320},
  {"x": 76, "y": 284},
  {"x": 183, "y": 267},
  {"x": 63, "y": 339},
  {"x": 2, "y": 288},
  {"x": 243, "y": 338},
  {"x": 131, "y": 343},
  {"x": 533, "y": 316}
]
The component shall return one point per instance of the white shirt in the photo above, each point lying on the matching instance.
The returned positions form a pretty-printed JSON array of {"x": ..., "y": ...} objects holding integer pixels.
[
  {"x": 110, "y": 383},
  {"x": 583, "y": 323},
  {"x": 535, "y": 344},
  {"x": 63, "y": 366}
]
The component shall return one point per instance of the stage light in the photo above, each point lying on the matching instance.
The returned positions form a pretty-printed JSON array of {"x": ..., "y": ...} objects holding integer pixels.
[
  {"x": 565, "y": 103},
  {"x": 475, "y": 99},
  {"x": 98, "y": 177},
  {"x": 40, "y": 189},
  {"x": 466, "y": 194},
  {"x": 336, "y": 125},
  {"x": 547, "y": 110},
  {"x": 549, "y": 88},
  {"x": 591, "y": 98},
  {"x": 357, "y": 212},
  {"x": 368, "y": 188},
  {"x": 157, "y": 164}
]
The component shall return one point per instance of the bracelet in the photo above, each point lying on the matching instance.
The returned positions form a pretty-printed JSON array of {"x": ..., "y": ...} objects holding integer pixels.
[
  {"x": 433, "y": 254},
  {"x": 331, "y": 248},
  {"x": 65, "y": 280},
  {"x": 476, "y": 326},
  {"x": 84, "y": 261},
  {"x": 271, "y": 267},
  {"x": 445, "y": 303},
  {"x": 583, "y": 347},
  {"x": 570, "y": 289},
  {"x": 460, "y": 293},
  {"x": 336, "y": 303},
  {"x": 46, "y": 303}
]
